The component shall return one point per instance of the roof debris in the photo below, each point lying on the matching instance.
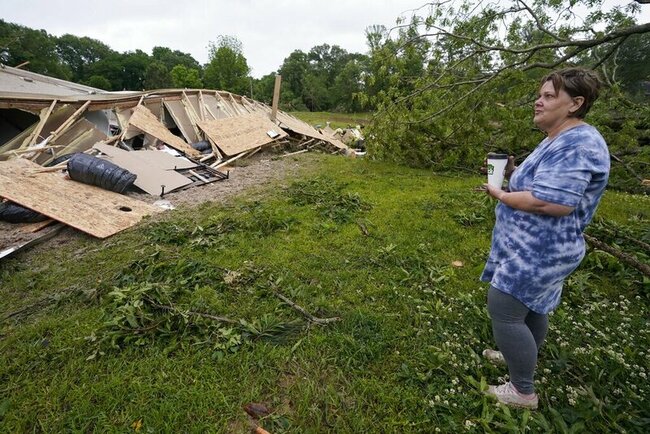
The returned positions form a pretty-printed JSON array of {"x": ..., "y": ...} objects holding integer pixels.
[{"x": 170, "y": 139}]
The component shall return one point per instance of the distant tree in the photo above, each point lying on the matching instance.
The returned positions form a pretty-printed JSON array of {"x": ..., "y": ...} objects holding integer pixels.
[
  {"x": 134, "y": 67},
  {"x": 173, "y": 58},
  {"x": 317, "y": 94},
  {"x": 77, "y": 53},
  {"x": 349, "y": 85},
  {"x": 157, "y": 76},
  {"x": 98, "y": 81},
  {"x": 227, "y": 68},
  {"x": 263, "y": 88},
  {"x": 293, "y": 71},
  {"x": 110, "y": 68},
  {"x": 184, "y": 77},
  {"x": 20, "y": 44},
  {"x": 328, "y": 60}
]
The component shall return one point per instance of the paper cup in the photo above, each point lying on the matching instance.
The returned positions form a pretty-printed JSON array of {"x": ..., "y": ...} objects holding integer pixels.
[{"x": 496, "y": 168}]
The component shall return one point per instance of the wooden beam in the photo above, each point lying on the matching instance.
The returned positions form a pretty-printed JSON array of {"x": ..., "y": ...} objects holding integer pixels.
[
  {"x": 202, "y": 106},
  {"x": 219, "y": 164},
  {"x": 45, "y": 114},
  {"x": 191, "y": 113},
  {"x": 276, "y": 97}
]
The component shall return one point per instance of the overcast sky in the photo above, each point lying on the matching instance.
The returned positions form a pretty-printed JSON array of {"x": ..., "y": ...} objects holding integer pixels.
[{"x": 268, "y": 29}]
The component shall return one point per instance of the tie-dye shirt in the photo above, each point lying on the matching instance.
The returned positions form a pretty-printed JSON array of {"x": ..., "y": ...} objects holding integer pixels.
[{"x": 532, "y": 254}]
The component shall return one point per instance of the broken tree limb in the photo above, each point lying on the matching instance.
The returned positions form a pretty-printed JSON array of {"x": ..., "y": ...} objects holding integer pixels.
[
  {"x": 627, "y": 167},
  {"x": 306, "y": 314},
  {"x": 622, "y": 256},
  {"x": 193, "y": 313}
]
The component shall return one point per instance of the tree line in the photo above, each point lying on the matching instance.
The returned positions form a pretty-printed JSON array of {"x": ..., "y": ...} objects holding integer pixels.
[{"x": 326, "y": 78}]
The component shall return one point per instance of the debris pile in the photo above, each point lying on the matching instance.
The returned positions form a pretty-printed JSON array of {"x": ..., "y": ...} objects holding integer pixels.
[{"x": 69, "y": 153}]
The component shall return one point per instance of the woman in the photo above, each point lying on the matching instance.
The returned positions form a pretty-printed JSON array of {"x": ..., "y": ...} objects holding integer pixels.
[{"x": 537, "y": 239}]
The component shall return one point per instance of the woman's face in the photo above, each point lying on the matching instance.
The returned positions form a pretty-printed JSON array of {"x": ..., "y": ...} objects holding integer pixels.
[{"x": 552, "y": 110}]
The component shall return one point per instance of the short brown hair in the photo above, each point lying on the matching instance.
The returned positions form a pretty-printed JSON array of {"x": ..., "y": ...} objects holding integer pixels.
[{"x": 577, "y": 82}]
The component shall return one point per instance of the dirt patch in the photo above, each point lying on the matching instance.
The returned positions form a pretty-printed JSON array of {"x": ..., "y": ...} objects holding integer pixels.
[{"x": 258, "y": 170}]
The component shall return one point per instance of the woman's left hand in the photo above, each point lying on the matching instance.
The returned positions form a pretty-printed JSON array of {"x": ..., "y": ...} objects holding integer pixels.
[{"x": 495, "y": 192}]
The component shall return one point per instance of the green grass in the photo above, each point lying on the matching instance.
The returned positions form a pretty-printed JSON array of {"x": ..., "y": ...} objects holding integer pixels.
[
  {"x": 367, "y": 242},
  {"x": 337, "y": 120}
]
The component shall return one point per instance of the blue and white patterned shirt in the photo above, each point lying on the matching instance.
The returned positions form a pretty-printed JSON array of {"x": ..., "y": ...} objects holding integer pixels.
[{"x": 532, "y": 254}]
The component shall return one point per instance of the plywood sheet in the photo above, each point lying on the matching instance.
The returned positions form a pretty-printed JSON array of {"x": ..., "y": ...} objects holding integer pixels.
[
  {"x": 183, "y": 122},
  {"x": 166, "y": 161},
  {"x": 98, "y": 212},
  {"x": 151, "y": 177},
  {"x": 145, "y": 121},
  {"x": 305, "y": 129},
  {"x": 241, "y": 133}
]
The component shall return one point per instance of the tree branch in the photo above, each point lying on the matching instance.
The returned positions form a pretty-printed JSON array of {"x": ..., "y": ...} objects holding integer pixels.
[
  {"x": 306, "y": 314},
  {"x": 622, "y": 256},
  {"x": 539, "y": 23}
]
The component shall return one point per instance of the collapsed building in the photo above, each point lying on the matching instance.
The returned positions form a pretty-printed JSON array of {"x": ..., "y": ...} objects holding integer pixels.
[{"x": 165, "y": 140}]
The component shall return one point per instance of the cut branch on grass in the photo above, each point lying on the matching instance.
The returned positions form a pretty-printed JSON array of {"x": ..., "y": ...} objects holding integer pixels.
[
  {"x": 193, "y": 313},
  {"x": 622, "y": 256},
  {"x": 304, "y": 312}
]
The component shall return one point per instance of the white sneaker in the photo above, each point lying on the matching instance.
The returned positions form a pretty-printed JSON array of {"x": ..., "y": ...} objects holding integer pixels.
[
  {"x": 507, "y": 394},
  {"x": 494, "y": 356}
]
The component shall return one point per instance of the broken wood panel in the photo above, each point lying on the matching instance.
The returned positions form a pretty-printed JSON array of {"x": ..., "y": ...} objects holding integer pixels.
[
  {"x": 98, "y": 212},
  {"x": 151, "y": 177},
  {"x": 242, "y": 133},
  {"x": 145, "y": 121},
  {"x": 182, "y": 119},
  {"x": 305, "y": 129}
]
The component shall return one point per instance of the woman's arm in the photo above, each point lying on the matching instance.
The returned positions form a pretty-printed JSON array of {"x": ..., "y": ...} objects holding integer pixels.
[{"x": 525, "y": 201}]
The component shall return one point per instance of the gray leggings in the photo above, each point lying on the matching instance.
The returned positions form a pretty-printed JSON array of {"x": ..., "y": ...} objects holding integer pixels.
[{"x": 519, "y": 333}]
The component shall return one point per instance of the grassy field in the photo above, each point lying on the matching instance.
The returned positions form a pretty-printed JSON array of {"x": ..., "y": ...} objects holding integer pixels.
[
  {"x": 173, "y": 326},
  {"x": 336, "y": 120}
]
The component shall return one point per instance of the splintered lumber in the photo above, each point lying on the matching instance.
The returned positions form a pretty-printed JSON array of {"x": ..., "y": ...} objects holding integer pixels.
[
  {"x": 79, "y": 137},
  {"x": 70, "y": 120},
  {"x": 143, "y": 120},
  {"x": 241, "y": 133},
  {"x": 90, "y": 209}
]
